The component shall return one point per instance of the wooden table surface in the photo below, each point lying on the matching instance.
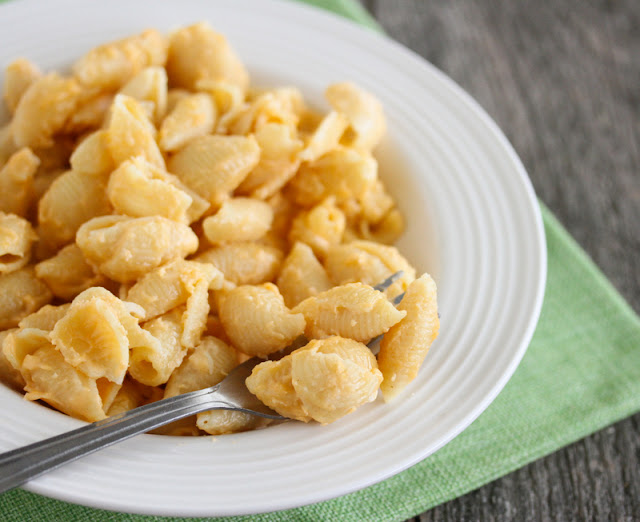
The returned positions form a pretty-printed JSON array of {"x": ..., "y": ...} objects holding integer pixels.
[{"x": 562, "y": 80}]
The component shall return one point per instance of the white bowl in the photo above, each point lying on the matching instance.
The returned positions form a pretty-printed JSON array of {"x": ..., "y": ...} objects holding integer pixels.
[{"x": 473, "y": 223}]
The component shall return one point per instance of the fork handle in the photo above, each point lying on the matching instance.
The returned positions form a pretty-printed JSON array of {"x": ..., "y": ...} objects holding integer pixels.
[{"x": 23, "y": 464}]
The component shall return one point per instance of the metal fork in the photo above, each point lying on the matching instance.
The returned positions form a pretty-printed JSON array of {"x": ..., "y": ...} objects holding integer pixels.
[{"x": 23, "y": 464}]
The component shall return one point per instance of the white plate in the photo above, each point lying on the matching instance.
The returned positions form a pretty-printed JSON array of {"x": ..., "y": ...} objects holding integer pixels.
[{"x": 473, "y": 222}]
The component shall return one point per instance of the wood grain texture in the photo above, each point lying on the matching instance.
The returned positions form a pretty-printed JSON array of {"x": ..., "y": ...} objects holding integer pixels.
[{"x": 562, "y": 80}]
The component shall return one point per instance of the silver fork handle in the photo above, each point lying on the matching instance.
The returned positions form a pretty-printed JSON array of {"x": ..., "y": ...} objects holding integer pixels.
[{"x": 23, "y": 464}]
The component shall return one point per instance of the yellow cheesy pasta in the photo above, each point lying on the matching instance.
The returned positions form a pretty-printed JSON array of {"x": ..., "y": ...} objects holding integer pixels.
[{"x": 163, "y": 220}]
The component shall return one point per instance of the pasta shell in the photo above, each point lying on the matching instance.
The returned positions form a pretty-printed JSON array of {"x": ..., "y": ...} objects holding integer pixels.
[
  {"x": 193, "y": 116},
  {"x": 278, "y": 163},
  {"x": 45, "y": 318},
  {"x": 152, "y": 365},
  {"x": 92, "y": 339},
  {"x": 228, "y": 97},
  {"x": 197, "y": 53},
  {"x": 174, "y": 96},
  {"x": 238, "y": 219},
  {"x": 283, "y": 105},
  {"x": 333, "y": 377},
  {"x": 209, "y": 363},
  {"x": 124, "y": 249},
  {"x": 343, "y": 173},
  {"x": 354, "y": 310},
  {"x": 214, "y": 166},
  {"x": 109, "y": 66},
  {"x": 171, "y": 285},
  {"x": 320, "y": 227},
  {"x": 51, "y": 379},
  {"x": 16, "y": 238},
  {"x": 271, "y": 382},
  {"x": 18, "y": 77},
  {"x": 114, "y": 315},
  {"x": 362, "y": 109},
  {"x": 9, "y": 376},
  {"x": 150, "y": 84},
  {"x": 128, "y": 397},
  {"x": 17, "y": 344},
  {"x": 68, "y": 273},
  {"x": 108, "y": 391},
  {"x": 272, "y": 325},
  {"x": 43, "y": 109},
  {"x": 368, "y": 262},
  {"x": 23, "y": 294},
  {"x": 194, "y": 319},
  {"x": 301, "y": 276},
  {"x": 325, "y": 137},
  {"x": 90, "y": 114},
  {"x": 72, "y": 199},
  {"x": 386, "y": 231},
  {"x": 375, "y": 202},
  {"x": 157, "y": 193},
  {"x": 405, "y": 345},
  {"x": 130, "y": 133},
  {"x": 137, "y": 189},
  {"x": 92, "y": 156},
  {"x": 7, "y": 145},
  {"x": 244, "y": 263},
  {"x": 16, "y": 182}
]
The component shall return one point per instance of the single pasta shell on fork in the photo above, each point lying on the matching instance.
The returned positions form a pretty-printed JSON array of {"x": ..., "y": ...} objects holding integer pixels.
[
  {"x": 332, "y": 377},
  {"x": 324, "y": 380}
]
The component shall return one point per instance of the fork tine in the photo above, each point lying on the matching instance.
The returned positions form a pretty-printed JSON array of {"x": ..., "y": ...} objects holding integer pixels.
[
  {"x": 397, "y": 299},
  {"x": 381, "y": 287}
]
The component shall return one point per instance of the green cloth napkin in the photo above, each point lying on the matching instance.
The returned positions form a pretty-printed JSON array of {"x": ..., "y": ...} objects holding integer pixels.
[{"x": 580, "y": 374}]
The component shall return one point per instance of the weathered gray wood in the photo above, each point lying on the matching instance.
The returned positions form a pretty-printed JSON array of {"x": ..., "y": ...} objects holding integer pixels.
[{"x": 562, "y": 79}]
